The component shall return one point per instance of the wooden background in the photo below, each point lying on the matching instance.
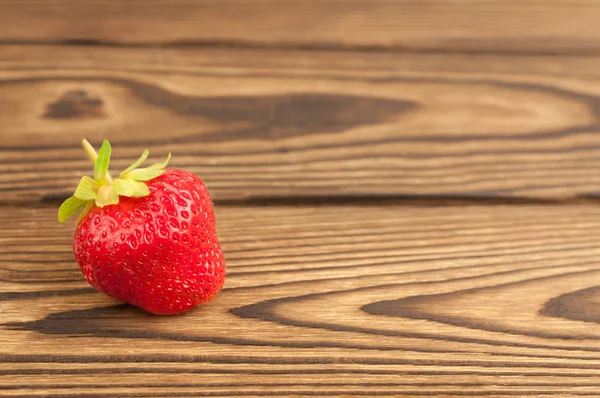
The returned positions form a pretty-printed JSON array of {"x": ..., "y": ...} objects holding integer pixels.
[{"x": 406, "y": 192}]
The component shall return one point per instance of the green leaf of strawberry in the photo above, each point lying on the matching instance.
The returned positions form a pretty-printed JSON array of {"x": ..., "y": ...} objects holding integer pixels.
[
  {"x": 136, "y": 163},
  {"x": 131, "y": 188},
  {"x": 70, "y": 207},
  {"x": 87, "y": 188},
  {"x": 102, "y": 161}
]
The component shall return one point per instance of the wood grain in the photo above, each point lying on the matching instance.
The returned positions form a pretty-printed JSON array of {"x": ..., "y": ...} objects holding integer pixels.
[
  {"x": 257, "y": 123},
  {"x": 354, "y": 300},
  {"x": 509, "y": 26},
  {"x": 399, "y": 192}
]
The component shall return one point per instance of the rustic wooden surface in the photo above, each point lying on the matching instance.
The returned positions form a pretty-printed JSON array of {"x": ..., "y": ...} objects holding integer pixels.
[
  {"x": 264, "y": 123},
  {"x": 406, "y": 192},
  {"x": 323, "y": 300},
  {"x": 506, "y": 26}
]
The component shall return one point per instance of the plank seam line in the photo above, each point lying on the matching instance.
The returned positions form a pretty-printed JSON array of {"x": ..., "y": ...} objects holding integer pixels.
[
  {"x": 296, "y": 46},
  {"x": 355, "y": 200}
]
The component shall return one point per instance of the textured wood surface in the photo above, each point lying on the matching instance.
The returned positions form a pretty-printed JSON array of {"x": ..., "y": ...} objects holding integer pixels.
[
  {"x": 394, "y": 300},
  {"x": 508, "y": 26},
  {"x": 405, "y": 192},
  {"x": 265, "y": 123}
]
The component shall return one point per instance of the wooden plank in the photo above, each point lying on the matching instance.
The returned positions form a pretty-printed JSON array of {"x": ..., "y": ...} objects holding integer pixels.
[
  {"x": 393, "y": 300},
  {"x": 304, "y": 123},
  {"x": 555, "y": 26}
]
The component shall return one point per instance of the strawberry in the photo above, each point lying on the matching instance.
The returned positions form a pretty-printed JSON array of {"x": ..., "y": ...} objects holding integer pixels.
[{"x": 148, "y": 237}]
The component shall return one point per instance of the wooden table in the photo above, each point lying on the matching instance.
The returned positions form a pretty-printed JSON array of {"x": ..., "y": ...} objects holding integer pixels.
[{"x": 405, "y": 192}]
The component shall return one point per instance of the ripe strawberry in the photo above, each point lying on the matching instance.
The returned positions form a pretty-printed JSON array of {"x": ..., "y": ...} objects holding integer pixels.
[{"x": 148, "y": 237}]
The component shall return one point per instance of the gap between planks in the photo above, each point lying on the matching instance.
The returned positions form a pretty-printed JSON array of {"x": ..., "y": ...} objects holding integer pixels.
[
  {"x": 354, "y": 200},
  {"x": 291, "y": 47}
]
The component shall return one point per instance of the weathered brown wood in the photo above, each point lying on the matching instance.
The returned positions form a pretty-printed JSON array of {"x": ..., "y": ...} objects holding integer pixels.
[
  {"x": 354, "y": 300},
  {"x": 555, "y": 26},
  {"x": 293, "y": 123}
]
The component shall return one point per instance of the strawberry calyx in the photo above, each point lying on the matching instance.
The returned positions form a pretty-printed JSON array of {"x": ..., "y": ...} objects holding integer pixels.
[{"x": 103, "y": 190}]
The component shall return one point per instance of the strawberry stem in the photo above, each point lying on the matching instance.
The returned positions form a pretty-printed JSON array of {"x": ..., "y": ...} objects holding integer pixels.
[{"x": 91, "y": 152}]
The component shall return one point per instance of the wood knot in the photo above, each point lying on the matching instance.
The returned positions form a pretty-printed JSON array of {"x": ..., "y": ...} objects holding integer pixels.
[
  {"x": 582, "y": 305},
  {"x": 74, "y": 104}
]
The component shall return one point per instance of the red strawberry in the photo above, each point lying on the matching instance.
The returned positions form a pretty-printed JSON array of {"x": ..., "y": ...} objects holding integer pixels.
[{"x": 147, "y": 238}]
